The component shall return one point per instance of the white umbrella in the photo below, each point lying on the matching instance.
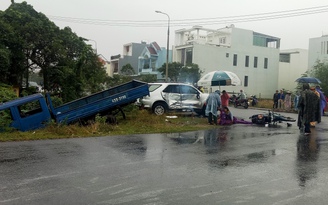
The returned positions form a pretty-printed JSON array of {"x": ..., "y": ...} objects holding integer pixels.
[{"x": 219, "y": 78}]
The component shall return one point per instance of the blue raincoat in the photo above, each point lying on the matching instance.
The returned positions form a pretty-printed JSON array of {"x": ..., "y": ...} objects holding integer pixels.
[{"x": 213, "y": 102}]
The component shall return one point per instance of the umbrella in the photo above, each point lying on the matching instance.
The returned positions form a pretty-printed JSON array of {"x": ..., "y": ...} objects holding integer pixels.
[
  {"x": 308, "y": 80},
  {"x": 219, "y": 78}
]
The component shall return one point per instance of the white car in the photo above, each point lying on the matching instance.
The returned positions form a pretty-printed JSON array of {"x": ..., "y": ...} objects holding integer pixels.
[{"x": 174, "y": 96}]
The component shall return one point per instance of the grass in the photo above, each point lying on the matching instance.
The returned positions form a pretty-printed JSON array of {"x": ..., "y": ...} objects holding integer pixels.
[{"x": 136, "y": 122}]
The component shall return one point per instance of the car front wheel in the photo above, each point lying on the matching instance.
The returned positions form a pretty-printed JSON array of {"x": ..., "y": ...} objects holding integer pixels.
[{"x": 159, "y": 108}]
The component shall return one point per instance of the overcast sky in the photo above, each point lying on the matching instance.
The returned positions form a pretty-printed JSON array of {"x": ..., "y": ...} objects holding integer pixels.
[{"x": 94, "y": 19}]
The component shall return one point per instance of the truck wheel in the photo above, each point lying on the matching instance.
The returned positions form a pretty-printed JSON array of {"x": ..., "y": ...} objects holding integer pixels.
[{"x": 159, "y": 108}]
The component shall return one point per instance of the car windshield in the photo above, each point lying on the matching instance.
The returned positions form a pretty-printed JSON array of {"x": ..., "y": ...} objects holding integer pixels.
[{"x": 154, "y": 87}]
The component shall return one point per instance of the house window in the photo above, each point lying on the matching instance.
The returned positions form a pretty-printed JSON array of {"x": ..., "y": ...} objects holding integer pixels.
[
  {"x": 223, "y": 40},
  {"x": 188, "y": 56},
  {"x": 227, "y": 55},
  {"x": 234, "y": 59},
  {"x": 284, "y": 57},
  {"x": 115, "y": 67},
  {"x": 255, "y": 62},
  {"x": 265, "y": 62},
  {"x": 247, "y": 61},
  {"x": 246, "y": 81}
]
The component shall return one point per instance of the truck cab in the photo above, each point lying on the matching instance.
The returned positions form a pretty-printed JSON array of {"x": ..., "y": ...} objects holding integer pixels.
[{"x": 26, "y": 113}]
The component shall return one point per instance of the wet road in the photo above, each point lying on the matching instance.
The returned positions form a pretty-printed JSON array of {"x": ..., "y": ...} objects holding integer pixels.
[{"x": 238, "y": 164}]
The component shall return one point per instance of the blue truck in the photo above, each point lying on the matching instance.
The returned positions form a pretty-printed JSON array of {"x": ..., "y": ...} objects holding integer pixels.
[{"x": 35, "y": 111}]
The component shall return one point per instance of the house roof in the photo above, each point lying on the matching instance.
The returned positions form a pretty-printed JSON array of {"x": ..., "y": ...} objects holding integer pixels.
[
  {"x": 156, "y": 46},
  {"x": 151, "y": 50}
]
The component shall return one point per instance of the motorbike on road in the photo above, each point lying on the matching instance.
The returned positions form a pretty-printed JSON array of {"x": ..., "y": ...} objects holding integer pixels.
[
  {"x": 254, "y": 100},
  {"x": 238, "y": 102}
]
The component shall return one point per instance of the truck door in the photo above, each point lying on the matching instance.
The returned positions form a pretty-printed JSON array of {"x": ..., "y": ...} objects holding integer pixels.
[{"x": 33, "y": 114}]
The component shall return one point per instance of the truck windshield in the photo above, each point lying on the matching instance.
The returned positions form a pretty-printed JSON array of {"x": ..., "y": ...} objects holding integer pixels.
[{"x": 30, "y": 108}]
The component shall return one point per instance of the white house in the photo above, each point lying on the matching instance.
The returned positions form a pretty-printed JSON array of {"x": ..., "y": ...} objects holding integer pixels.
[
  {"x": 292, "y": 64},
  {"x": 253, "y": 56},
  {"x": 318, "y": 50}
]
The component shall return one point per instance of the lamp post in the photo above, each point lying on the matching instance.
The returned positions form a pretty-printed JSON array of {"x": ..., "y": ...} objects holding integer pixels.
[
  {"x": 167, "y": 46},
  {"x": 95, "y": 44}
]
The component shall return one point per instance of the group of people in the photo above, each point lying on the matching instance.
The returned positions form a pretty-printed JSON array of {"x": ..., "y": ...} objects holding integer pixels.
[
  {"x": 311, "y": 105},
  {"x": 282, "y": 100},
  {"x": 217, "y": 102}
]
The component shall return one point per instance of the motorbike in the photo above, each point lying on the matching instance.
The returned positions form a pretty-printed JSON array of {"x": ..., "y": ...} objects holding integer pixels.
[
  {"x": 239, "y": 102},
  {"x": 254, "y": 100},
  {"x": 232, "y": 99},
  {"x": 270, "y": 118}
]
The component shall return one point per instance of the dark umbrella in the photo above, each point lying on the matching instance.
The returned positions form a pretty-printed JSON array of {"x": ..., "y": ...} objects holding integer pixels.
[{"x": 308, "y": 80}]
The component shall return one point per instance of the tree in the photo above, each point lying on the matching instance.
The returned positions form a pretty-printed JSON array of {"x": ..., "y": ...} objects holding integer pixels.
[
  {"x": 127, "y": 69},
  {"x": 320, "y": 71},
  {"x": 190, "y": 73},
  {"x": 29, "y": 40},
  {"x": 149, "y": 78},
  {"x": 180, "y": 73},
  {"x": 173, "y": 70}
]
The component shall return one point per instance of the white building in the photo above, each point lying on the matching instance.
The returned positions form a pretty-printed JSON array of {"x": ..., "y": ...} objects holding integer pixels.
[
  {"x": 292, "y": 64},
  {"x": 254, "y": 57},
  {"x": 318, "y": 50}
]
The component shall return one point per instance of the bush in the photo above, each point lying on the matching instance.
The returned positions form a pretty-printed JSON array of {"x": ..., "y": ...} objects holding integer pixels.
[{"x": 6, "y": 93}]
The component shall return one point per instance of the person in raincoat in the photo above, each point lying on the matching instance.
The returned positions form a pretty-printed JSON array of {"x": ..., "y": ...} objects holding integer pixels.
[
  {"x": 323, "y": 102},
  {"x": 213, "y": 103},
  {"x": 309, "y": 109}
]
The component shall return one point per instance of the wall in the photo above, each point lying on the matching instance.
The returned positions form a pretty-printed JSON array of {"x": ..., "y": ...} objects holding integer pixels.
[
  {"x": 289, "y": 72},
  {"x": 316, "y": 50}
]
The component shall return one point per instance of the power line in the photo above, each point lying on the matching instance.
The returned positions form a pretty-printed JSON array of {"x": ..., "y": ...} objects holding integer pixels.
[{"x": 200, "y": 21}]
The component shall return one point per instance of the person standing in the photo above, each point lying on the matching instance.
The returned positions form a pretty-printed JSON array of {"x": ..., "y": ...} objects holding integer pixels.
[
  {"x": 213, "y": 103},
  {"x": 309, "y": 109},
  {"x": 323, "y": 101},
  {"x": 312, "y": 124},
  {"x": 296, "y": 100},
  {"x": 225, "y": 99},
  {"x": 288, "y": 101},
  {"x": 281, "y": 98},
  {"x": 275, "y": 99}
]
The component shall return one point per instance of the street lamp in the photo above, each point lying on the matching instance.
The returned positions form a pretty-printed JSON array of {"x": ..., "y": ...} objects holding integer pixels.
[
  {"x": 95, "y": 44},
  {"x": 167, "y": 46}
]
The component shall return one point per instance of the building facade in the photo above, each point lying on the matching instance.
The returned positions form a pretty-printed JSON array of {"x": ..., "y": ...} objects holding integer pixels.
[
  {"x": 318, "y": 50},
  {"x": 293, "y": 63},
  {"x": 254, "y": 57},
  {"x": 144, "y": 59}
]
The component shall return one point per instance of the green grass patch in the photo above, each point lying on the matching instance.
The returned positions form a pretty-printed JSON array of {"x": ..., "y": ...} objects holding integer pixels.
[{"x": 136, "y": 122}]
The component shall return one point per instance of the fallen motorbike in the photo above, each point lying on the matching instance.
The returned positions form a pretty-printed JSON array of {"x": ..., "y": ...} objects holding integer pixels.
[
  {"x": 270, "y": 118},
  {"x": 239, "y": 102}
]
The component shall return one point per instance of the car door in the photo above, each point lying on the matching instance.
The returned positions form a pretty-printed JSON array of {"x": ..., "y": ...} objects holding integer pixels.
[
  {"x": 171, "y": 95},
  {"x": 190, "y": 97}
]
